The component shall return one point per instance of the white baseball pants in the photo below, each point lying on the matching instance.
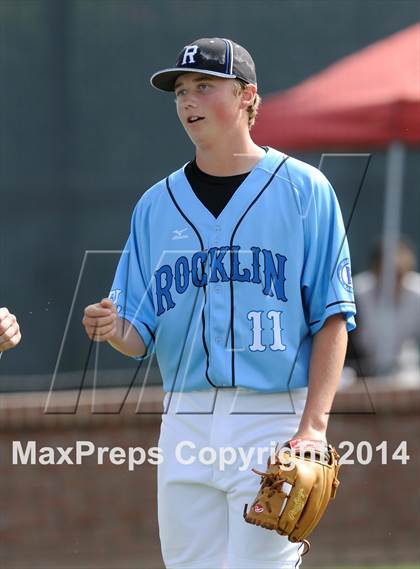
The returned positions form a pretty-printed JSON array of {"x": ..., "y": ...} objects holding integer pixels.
[{"x": 205, "y": 479}]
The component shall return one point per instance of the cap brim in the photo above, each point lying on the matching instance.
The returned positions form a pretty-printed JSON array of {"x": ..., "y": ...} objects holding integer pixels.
[{"x": 164, "y": 80}]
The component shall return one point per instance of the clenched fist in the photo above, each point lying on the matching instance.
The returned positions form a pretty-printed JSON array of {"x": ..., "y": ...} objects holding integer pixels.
[
  {"x": 100, "y": 320},
  {"x": 9, "y": 330},
  {"x": 102, "y": 324}
]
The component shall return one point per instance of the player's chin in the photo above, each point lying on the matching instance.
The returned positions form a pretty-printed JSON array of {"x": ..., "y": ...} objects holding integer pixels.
[{"x": 199, "y": 137}]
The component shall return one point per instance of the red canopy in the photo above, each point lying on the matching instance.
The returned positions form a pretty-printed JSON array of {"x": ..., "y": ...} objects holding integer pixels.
[{"x": 370, "y": 98}]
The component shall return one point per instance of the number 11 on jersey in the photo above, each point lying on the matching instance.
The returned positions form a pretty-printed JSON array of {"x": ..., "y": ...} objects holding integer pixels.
[{"x": 257, "y": 317}]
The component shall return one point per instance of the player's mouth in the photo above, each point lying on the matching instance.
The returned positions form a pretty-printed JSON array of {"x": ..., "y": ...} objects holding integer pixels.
[{"x": 194, "y": 119}]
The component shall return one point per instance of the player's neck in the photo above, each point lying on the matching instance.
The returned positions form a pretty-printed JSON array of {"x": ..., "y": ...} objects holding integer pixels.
[{"x": 228, "y": 157}]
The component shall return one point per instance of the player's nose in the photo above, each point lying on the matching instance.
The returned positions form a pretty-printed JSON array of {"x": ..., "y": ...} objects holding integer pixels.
[{"x": 189, "y": 103}]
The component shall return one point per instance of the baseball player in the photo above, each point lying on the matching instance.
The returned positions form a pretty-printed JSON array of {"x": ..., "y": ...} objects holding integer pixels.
[
  {"x": 9, "y": 330},
  {"x": 236, "y": 273}
]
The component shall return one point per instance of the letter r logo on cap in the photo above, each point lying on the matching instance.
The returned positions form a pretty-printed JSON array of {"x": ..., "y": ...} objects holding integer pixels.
[{"x": 190, "y": 51}]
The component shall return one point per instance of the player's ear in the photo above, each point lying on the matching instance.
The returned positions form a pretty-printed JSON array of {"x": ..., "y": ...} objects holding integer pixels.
[{"x": 248, "y": 95}]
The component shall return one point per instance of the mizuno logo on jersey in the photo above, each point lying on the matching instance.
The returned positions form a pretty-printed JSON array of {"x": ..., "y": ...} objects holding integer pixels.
[
  {"x": 179, "y": 234},
  {"x": 221, "y": 264}
]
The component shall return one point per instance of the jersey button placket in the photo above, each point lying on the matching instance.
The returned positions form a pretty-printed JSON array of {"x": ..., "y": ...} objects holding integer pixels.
[
  {"x": 216, "y": 235},
  {"x": 218, "y": 308}
]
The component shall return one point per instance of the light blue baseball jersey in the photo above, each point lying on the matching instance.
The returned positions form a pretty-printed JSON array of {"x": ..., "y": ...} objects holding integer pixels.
[{"x": 235, "y": 300}]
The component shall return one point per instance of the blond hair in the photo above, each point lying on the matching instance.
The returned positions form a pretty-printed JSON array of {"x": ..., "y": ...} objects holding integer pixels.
[{"x": 238, "y": 87}]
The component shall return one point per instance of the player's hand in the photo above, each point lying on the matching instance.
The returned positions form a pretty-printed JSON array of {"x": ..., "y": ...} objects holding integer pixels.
[
  {"x": 100, "y": 320},
  {"x": 9, "y": 330},
  {"x": 311, "y": 434}
]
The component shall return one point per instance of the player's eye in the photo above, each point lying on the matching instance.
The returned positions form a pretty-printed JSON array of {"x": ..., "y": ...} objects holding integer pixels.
[
  {"x": 180, "y": 93},
  {"x": 203, "y": 86}
]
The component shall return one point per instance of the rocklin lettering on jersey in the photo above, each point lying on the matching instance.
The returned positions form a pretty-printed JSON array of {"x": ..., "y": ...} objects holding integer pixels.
[{"x": 220, "y": 264}]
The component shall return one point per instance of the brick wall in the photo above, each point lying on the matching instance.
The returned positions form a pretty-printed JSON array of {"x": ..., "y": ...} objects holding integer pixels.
[{"x": 90, "y": 516}]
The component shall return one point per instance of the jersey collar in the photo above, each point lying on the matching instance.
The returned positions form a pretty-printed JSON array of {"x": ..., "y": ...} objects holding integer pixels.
[{"x": 201, "y": 217}]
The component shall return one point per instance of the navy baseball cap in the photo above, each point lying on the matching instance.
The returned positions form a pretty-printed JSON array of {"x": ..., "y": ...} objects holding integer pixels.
[{"x": 211, "y": 56}]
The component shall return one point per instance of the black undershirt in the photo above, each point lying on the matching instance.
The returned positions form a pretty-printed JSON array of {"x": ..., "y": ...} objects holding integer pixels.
[{"x": 214, "y": 192}]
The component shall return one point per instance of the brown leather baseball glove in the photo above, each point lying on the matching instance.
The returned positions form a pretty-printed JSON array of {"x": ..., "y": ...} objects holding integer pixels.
[{"x": 311, "y": 468}]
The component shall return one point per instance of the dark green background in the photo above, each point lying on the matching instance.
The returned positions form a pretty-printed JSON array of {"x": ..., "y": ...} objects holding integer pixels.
[{"x": 83, "y": 136}]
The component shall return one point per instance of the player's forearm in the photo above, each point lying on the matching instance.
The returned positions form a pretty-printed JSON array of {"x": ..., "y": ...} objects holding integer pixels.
[
  {"x": 127, "y": 340},
  {"x": 326, "y": 365}
]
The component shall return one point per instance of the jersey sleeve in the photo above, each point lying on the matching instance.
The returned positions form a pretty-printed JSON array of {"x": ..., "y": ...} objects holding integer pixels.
[
  {"x": 131, "y": 289},
  {"x": 327, "y": 287}
]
